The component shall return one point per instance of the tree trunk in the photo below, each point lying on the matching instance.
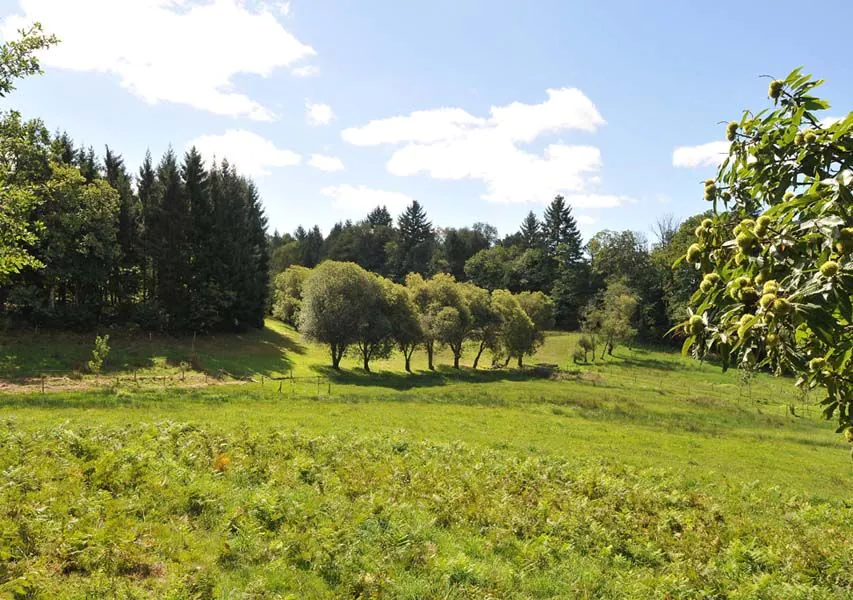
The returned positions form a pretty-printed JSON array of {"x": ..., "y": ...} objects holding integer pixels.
[
  {"x": 479, "y": 354},
  {"x": 408, "y": 362},
  {"x": 520, "y": 361},
  {"x": 455, "y": 360},
  {"x": 429, "y": 349},
  {"x": 366, "y": 363}
]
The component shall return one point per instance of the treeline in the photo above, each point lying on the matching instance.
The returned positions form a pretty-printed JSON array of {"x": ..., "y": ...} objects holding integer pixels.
[
  {"x": 546, "y": 255},
  {"x": 179, "y": 246},
  {"x": 349, "y": 309}
]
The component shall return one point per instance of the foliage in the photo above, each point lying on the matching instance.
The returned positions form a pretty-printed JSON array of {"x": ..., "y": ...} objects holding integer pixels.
[
  {"x": 340, "y": 306},
  {"x": 174, "y": 509},
  {"x": 99, "y": 353},
  {"x": 406, "y": 331},
  {"x": 777, "y": 288},
  {"x": 611, "y": 315},
  {"x": 287, "y": 294},
  {"x": 18, "y": 58},
  {"x": 517, "y": 335}
]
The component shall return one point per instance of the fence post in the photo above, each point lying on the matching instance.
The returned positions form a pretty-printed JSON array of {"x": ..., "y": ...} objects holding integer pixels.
[
  {"x": 279, "y": 386},
  {"x": 330, "y": 387}
]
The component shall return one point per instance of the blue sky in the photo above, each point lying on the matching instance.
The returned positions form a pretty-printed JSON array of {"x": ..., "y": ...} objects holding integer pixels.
[{"x": 480, "y": 110}]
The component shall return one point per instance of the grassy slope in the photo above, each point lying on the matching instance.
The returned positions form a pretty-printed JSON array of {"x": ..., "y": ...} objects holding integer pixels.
[{"x": 418, "y": 485}]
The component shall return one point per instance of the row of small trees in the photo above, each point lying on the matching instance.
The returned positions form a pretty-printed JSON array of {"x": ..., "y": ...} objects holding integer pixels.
[{"x": 347, "y": 308}]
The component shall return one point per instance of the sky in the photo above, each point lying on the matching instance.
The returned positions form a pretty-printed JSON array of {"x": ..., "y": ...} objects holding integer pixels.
[{"x": 480, "y": 110}]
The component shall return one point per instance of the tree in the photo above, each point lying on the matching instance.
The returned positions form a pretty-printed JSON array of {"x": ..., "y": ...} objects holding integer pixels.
[
  {"x": 414, "y": 248},
  {"x": 562, "y": 238},
  {"x": 777, "y": 289},
  {"x": 611, "y": 315},
  {"x": 18, "y": 58},
  {"x": 127, "y": 278},
  {"x": 406, "y": 331},
  {"x": 540, "y": 309},
  {"x": 517, "y": 334},
  {"x": 337, "y": 300},
  {"x": 287, "y": 295},
  {"x": 458, "y": 245},
  {"x": 485, "y": 320},
  {"x": 149, "y": 202},
  {"x": 531, "y": 236}
]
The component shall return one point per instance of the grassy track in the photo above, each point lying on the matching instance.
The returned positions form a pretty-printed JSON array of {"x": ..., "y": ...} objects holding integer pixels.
[{"x": 644, "y": 475}]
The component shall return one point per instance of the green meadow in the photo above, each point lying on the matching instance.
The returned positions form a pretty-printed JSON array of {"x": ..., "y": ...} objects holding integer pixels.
[{"x": 241, "y": 466}]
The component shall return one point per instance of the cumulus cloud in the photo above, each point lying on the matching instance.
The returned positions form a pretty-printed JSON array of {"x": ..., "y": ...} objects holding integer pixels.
[
  {"x": 452, "y": 144},
  {"x": 361, "y": 199},
  {"x": 252, "y": 154},
  {"x": 585, "y": 219},
  {"x": 180, "y": 51},
  {"x": 326, "y": 163},
  {"x": 306, "y": 71},
  {"x": 318, "y": 114},
  {"x": 704, "y": 155}
]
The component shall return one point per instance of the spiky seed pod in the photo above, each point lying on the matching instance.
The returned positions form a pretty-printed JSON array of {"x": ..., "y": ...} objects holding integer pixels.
[
  {"x": 742, "y": 281},
  {"x": 744, "y": 325},
  {"x": 726, "y": 196},
  {"x": 749, "y": 295},
  {"x": 799, "y": 139},
  {"x": 694, "y": 253},
  {"x": 707, "y": 223},
  {"x": 844, "y": 245},
  {"x": 700, "y": 232},
  {"x": 789, "y": 195},
  {"x": 709, "y": 183},
  {"x": 706, "y": 286},
  {"x": 710, "y": 192},
  {"x": 762, "y": 225},
  {"x": 810, "y": 137},
  {"x": 714, "y": 278},
  {"x": 747, "y": 224},
  {"x": 731, "y": 131},
  {"x": 774, "y": 90},
  {"x": 829, "y": 268},
  {"x": 767, "y": 301},
  {"x": 762, "y": 277},
  {"x": 696, "y": 325},
  {"x": 782, "y": 306},
  {"x": 772, "y": 338},
  {"x": 770, "y": 287}
]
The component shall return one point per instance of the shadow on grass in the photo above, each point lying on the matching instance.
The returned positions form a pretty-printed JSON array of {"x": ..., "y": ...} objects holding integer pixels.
[
  {"x": 441, "y": 376},
  {"x": 66, "y": 354}
]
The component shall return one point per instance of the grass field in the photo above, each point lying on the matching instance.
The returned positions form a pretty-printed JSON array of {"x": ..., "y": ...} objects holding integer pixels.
[{"x": 646, "y": 475}]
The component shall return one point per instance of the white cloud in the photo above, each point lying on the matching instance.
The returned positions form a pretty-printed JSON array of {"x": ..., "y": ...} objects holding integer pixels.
[
  {"x": 361, "y": 199},
  {"x": 318, "y": 114},
  {"x": 598, "y": 200},
  {"x": 586, "y": 219},
  {"x": 306, "y": 71},
  {"x": 179, "y": 51},
  {"x": 828, "y": 121},
  {"x": 326, "y": 163},
  {"x": 452, "y": 144},
  {"x": 252, "y": 154},
  {"x": 704, "y": 155}
]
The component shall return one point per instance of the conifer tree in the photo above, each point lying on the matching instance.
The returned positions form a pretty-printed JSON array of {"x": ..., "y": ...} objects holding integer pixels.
[
  {"x": 416, "y": 243},
  {"x": 146, "y": 184},
  {"x": 127, "y": 278},
  {"x": 171, "y": 229},
  {"x": 531, "y": 234}
]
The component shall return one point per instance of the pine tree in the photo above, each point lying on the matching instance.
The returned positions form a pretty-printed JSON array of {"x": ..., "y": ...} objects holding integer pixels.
[
  {"x": 127, "y": 279},
  {"x": 569, "y": 271},
  {"x": 149, "y": 205},
  {"x": 416, "y": 243},
  {"x": 531, "y": 235},
  {"x": 563, "y": 241},
  {"x": 171, "y": 229},
  {"x": 203, "y": 287},
  {"x": 87, "y": 163},
  {"x": 380, "y": 217}
]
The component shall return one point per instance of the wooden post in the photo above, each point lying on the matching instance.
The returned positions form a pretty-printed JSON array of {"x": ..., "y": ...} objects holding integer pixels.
[
  {"x": 262, "y": 380},
  {"x": 279, "y": 386},
  {"x": 330, "y": 387}
]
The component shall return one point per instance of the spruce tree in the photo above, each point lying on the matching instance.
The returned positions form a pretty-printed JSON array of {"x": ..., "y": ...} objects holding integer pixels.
[
  {"x": 204, "y": 292},
  {"x": 563, "y": 241},
  {"x": 146, "y": 184},
  {"x": 531, "y": 235},
  {"x": 171, "y": 227},
  {"x": 127, "y": 278},
  {"x": 416, "y": 243},
  {"x": 380, "y": 217}
]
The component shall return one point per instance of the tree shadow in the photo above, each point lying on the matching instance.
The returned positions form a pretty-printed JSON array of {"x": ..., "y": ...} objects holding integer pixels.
[
  {"x": 443, "y": 375},
  {"x": 262, "y": 351}
]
